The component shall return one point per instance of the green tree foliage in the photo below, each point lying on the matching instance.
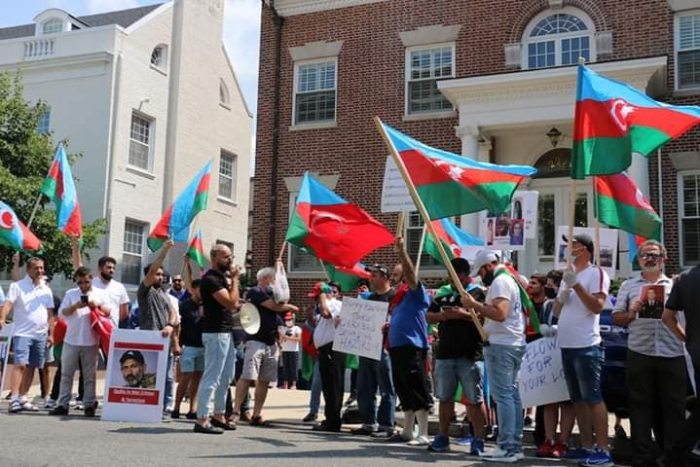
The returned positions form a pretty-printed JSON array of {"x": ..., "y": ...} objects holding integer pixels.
[{"x": 25, "y": 157}]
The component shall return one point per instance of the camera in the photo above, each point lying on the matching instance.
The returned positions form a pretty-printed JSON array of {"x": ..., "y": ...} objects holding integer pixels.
[{"x": 84, "y": 299}]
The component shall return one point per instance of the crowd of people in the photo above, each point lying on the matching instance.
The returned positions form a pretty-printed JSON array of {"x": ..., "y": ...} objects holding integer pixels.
[{"x": 433, "y": 349}]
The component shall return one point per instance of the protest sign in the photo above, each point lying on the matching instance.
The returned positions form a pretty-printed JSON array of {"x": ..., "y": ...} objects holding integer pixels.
[
  {"x": 541, "y": 379},
  {"x": 360, "y": 329},
  {"x": 135, "y": 380},
  {"x": 395, "y": 195},
  {"x": 5, "y": 339},
  {"x": 608, "y": 247},
  {"x": 509, "y": 230}
]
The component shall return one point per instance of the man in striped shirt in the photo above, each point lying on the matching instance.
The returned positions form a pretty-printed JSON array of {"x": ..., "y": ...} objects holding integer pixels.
[{"x": 656, "y": 369}]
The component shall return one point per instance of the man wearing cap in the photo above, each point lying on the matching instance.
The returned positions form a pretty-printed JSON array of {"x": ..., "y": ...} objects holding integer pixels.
[
  {"x": 579, "y": 304},
  {"x": 133, "y": 367},
  {"x": 376, "y": 374},
  {"x": 505, "y": 329}
]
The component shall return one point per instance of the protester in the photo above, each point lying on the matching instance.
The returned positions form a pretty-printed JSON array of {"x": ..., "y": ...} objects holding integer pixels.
[
  {"x": 261, "y": 350},
  {"x": 80, "y": 342},
  {"x": 31, "y": 300},
  {"x": 505, "y": 329},
  {"x": 331, "y": 363},
  {"x": 192, "y": 354},
  {"x": 684, "y": 297},
  {"x": 219, "y": 301},
  {"x": 178, "y": 289},
  {"x": 396, "y": 276},
  {"x": 313, "y": 316},
  {"x": 580, "y": 303},
  {"x": 459, "y": 359},
  {"x": 290, "y": 336},
  {"x": 376, "y": 374},
  {"x": 408, "y": 347}
]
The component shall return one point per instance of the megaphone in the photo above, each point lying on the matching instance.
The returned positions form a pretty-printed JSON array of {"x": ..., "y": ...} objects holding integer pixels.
[{"x": 250, "y": 318}]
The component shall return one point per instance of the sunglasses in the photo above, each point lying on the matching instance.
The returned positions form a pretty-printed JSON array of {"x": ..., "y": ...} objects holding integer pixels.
[
  {"x": 177, "y": 280},
  {"x": 652, "y": 256}
]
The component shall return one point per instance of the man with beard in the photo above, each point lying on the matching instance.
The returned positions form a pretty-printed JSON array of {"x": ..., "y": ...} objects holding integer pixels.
[
  {"x": 133, "y": 367},
  {"x": 396, "y": 276},
  {"x": 219, "y": 301},
  {"x": 178, "y": 290}
]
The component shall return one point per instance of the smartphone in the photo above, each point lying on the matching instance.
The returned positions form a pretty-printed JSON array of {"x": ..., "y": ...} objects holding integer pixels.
[{"x": 84, "y": 299}]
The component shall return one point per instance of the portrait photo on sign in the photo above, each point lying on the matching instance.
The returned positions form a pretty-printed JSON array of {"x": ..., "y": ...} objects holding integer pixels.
[
  {"x": 652, "y": 298},
  {"x": 136, "y": 368},
  {"x": 606, "y": 258},
  {"x": 517, "y": 231}
]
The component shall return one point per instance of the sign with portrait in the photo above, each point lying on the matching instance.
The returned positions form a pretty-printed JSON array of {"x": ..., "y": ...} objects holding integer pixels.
[
  {"x": 5, "y": 340},
  {"x": 608, "y": 247},
  {"x": 652, "y": 298},
  {"x": 135, "y": 380},
  {"x": 509, "y": 230}
]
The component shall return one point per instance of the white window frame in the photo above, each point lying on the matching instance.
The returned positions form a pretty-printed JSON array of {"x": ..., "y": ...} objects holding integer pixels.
[
  {"x": 232, "y": 177},
  {"x": 681, "y": 214},
  {"x": 299, "y": 64},
  {"x": 45, "y": 117},
  {"x": 151, "y": 142},
  {"x": 424, "y": 268},
  {"x": 408, "y": 80},
  {"x": 557, "y": 38},
  {"x": 677, "y": 48},
  {"x": 162, "y": 67},
  {"x": 292, "y": 249},
  {"x": 54, "y": 21},
  {"x": 224, "y": 95},
  {"x": 144, "y": 246}
]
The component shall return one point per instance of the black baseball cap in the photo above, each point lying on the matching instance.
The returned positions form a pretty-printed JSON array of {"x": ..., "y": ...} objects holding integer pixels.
[
  {"x": 132, "y": 355},
  {"x": 378, "y": 267},
  {"x": 584, "y": 240}
]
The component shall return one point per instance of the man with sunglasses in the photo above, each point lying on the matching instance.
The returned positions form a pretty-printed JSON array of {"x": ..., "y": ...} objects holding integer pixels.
[
  {"x": 178, "y": 289},
  {"x": 656, "y": 370}
]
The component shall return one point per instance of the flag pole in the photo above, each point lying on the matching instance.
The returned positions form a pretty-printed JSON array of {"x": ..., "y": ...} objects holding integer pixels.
[
  {"x": 660, "y": 177},
  {"x": 284, "y": 247},
  {"x": 426, "y": 218},
  {"x": 420, "y": 249},
  {"x": 596, "y": 222},
  {"x": 36, "y": 208},
  {"x": 325, "y": 271},
  {"x": 572, "y": 187}
]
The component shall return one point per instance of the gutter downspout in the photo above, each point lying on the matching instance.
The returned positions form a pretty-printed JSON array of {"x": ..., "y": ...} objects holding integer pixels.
[{"x": 278, "y": 22}]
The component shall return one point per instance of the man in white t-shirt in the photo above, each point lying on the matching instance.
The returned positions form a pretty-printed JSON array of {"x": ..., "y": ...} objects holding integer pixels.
[
  {"x": 32, "y": 302},
  {"x": 579, "y": 304},
  {"x": 80, "y": 343},
  {"x": 116, "y": 293},
  {"x": 503, "y": 352}
]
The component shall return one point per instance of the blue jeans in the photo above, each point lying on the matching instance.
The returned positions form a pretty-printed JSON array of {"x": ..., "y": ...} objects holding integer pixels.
[
  {"x": 219, "y": 367},
  {"x": 502, "y": 364},
  {"x": 169, "y": 382},
  {"x": 316, "y": 386},
  {"x": 582, "y": 368},
  {"x": 373, "y": 374}
]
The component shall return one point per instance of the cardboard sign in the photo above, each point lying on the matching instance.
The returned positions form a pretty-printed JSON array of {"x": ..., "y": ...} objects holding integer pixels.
[
  {"x": 608, "y": 247},
  {"x": 395, "y": 195},
  {"x": 360, "y": 329},
  {"x": 509, "y": 230},
  {"x": 5, "y": 340},
  {"x": 541, "y": 378},
  {"x": 135, "y": 380}
]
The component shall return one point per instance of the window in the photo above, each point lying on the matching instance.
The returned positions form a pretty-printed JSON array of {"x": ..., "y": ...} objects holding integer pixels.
[
  {"x": 159, "y": 57},
  {"x": 224, "y": 97},
  {"x": 44, "y": 125},
  {"x": 315, "y": 95},
  {"x": 227, "y": 176},
  {"x": 546, "y": 220},
  {"x": 414, "y": 232},
  {"x": 688, "y": 51},
  {"x": 140, "y": 144},
  {"x": 424, "y": 68},
  {"x": 556, "y": 40},
  {"x": 299, "y": 260},
  {"x": 689, "y": 193},
  {"x": 132, "y": 255},
  {"x": 52, "y": 26}
]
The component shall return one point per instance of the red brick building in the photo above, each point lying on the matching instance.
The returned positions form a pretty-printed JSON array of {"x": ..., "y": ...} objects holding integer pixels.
[{"x": 480, "y": 78}]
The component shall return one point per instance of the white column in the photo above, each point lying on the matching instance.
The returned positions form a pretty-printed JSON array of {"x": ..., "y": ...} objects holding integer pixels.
[
  {"x": 639, "y": 171},
  {"x": 469, "y": 135}
]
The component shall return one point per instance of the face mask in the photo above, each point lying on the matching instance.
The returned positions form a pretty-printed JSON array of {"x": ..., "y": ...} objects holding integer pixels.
[
  {"x": 577, "y": 252},
  {"x": 550, "y": 292},
  {"x": 488, "y": 279},
  {"x": 288, "y": 323}
]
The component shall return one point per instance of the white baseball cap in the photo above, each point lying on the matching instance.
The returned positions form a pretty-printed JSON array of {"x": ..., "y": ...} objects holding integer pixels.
[{"x": 483, "y": 258}]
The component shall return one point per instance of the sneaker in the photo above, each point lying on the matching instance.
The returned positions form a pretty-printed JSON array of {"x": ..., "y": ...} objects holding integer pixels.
[
  {"x": 29, "y": 407},
  {"x": 440, "y": 444},
  {"x": 90, "y": 412},
  {"x": 579, "y": 453},
  {"x": 545, "y": 449},
  {"x": 598, "y": 458},
  {"x": 191, "y": 416},
  {"x": 466, "y": 441},
  {"x": 79, "y": 405},
  {"x": 397, "y": 438},
  {"x": 15, "y": 406},
  {"x": 559, "y": 450},
  {"x": 50, "y": 404},
  {"x": 620, "y": 432},
  {"x": 351, "y": 400},
  {"x": 310, "y": 417},
  {"x": 59, "y": 411},
  {"x": 362, "y": 431},
  {"x": 477, "y": 447},
  {"x": 383, "y": 434},
  {"x": 528, "y": 421},
  {"x": 419, "y": 441},
  {"x": 500, "y": 455},
  {"x": 207, "y": 429}
]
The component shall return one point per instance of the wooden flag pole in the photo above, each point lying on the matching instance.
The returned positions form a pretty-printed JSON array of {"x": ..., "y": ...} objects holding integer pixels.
[
  {"x": 596, "y": 223},
  {"x": 325, "y": 271},
  {"x": 426, "y": 218},
  {"x": 420, "y": 249},
  {"x": 284, "y": 247},
  {"x": 36, "y": 208}
]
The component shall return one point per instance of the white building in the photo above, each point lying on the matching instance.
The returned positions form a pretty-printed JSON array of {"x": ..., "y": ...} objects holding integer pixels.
[{"x": 148, "y": 96}]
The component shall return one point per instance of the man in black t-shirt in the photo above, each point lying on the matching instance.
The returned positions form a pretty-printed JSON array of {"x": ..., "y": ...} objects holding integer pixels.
[
  {"x": 261, "y": 351},
  {"x": 459, "y": 359},
  {"x": 192, "y": 353}
]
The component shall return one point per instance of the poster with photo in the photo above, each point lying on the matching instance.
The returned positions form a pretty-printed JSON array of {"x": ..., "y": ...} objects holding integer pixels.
[
  {"x": 652, "y": 298},
  {"x": 135, "y": 379},
  {"x": 608, "y": 247},
  {"x": 5, "y": 340},
  {"x": 510, "y": 230}
]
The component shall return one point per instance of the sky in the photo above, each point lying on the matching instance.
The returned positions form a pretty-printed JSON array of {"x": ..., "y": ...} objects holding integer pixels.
[{"x": 241, "y": 30}]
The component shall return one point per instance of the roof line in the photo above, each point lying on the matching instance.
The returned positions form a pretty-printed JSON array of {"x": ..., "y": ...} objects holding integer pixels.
[
  {"x": 145, "y": 19},
  {"x": 235, "y": 80}
]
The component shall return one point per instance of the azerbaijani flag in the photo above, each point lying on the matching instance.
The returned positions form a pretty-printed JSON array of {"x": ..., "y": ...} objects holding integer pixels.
[
  {"x": 613, "y": 120},
  {"x": 635, "y": 241},
  {"x": 195, "y": 250},
  {"x": 333, "y": 230},
  {"x": 622, "y": 205},
  {"x": 453, "y": 239},
  {"x": 13, "y": 233},
  {"x": 449, "y": 184},
  {"x": 347, "y": 278},
  {"x": 59, "y": 187},
  {"x": 178, "y": 217}
]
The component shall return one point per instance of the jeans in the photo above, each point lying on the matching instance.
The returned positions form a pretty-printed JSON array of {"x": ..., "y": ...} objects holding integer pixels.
[
  {"x": 503, "y": 363},
  {"x": 316, "y": 387},
  {"x": 73, "y": 357},
  {"x": 373, "y": 374},
  {"x": 169, "y": 383},
  {"x": 219, "y": 367},
  {"x": 582, "y": 369}
]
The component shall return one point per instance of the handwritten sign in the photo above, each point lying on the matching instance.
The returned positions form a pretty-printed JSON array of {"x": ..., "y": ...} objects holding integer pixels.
[
  {"x": 5, "y": 339},
  {"x": 360, "y": 329},
  {"x": 541, "y": 377},
  {"x": 395, "y": 195}
]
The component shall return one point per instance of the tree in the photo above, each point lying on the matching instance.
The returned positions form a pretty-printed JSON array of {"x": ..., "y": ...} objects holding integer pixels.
[{"x": 25, "y": 157}]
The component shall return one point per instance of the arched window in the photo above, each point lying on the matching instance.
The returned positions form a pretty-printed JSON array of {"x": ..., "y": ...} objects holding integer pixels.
[
  {"x": 558, "y": 39},
  {"x": 52, "y": 26},
  {"x": 159, "y": 57},
  {"x": 224, "y": 97}
]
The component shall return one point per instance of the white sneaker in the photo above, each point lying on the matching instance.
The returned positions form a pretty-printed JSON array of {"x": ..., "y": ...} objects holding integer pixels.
[
  {"x": 419, "y": 441},
  {"x": 501, "y": 455},
  {"x": 29, "y": 407},
  {"x": 79, "y": 405}
]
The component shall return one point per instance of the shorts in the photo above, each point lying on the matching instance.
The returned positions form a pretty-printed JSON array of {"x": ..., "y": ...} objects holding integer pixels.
[
  {"x": 260, "y": 361},
  {"x": 30, "y": 351},
  {"x": 582, "y": 369},
  {"x": 191, "y": 359},
  {"x": 450, "y": 371},
  {"x": 410, "y": 378}
]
